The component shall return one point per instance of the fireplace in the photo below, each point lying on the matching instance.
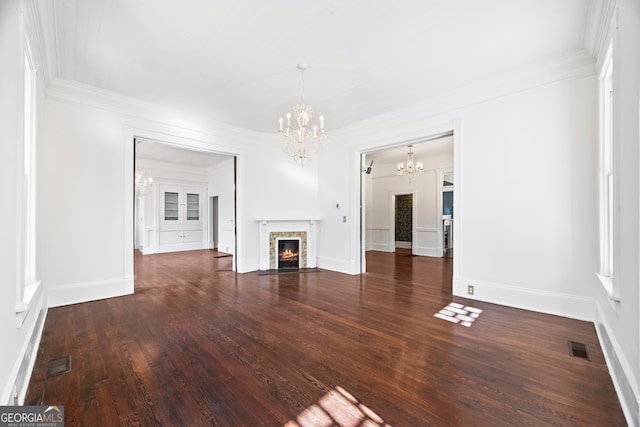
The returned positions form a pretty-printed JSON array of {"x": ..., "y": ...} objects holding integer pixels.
[
  {"x": 301, "y": 232},
  {"x": 288, "y": 254}
]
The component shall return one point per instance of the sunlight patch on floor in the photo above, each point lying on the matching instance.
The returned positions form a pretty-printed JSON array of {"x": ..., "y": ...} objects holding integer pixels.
[
  {"x": 459, "y": 313},
  {"x": 337, "y": 408}
]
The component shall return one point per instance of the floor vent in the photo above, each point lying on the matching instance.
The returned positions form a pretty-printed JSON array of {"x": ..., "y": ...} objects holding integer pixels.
[
  {"x": 59, "y": 366},
  {"x": 578, "y": 349}
]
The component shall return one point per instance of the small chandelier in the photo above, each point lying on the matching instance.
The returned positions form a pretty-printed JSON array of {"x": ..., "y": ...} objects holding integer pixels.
[
  {"x": 302, "y": 142},
  {"x": 412, "y": 168},
  {"x": 142, "y": 184}
]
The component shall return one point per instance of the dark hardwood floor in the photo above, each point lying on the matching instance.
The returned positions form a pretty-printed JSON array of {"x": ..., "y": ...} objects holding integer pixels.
[{"x": 199, "y": 345}]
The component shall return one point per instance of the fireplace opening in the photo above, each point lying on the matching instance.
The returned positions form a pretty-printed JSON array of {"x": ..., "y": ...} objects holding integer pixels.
[{"x": 288, "y": 254}]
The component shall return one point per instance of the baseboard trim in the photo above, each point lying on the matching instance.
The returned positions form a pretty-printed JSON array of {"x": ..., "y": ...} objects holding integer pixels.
[
  {"x": 247, "y": 265},
  {"x": 619, "y": 370},
  {"x": 89, "y": 291},
  {"x": 20, "y": 376},
  {"x": 427, "y": 251},
  {"x": 381, "y": 247},
  {"x": 128, "y": 286},
  {"x": 341, "y": 266},
  {"x": 571, "y": 306}
]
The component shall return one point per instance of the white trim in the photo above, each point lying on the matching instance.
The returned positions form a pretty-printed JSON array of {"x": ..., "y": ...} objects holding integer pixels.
[
  {"x": 268, "y": 226},
  {"x": 31, "y": 296},
  {"x": 559, "y": 304},
  {"x": 187, "y": 139},
  {"x": 440, "y": 189},
  {"x": 76, "y": 93},
  {"x": 606, "y": 174},
  {"x": 418, "y": 135},
  {"x": 619, "y": 369},
  {"x": 607, "y": 284},
  {"x": 350, "y": 266},
  {"x": 27, "y": 354},
  {"x": 458, "y": 182},
  {"x": 604, "y": 31},
  {"x": 74, "y": 293}
]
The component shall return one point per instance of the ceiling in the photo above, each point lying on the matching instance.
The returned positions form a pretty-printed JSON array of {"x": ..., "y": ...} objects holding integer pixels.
[
  {"x": 159, "y": 152},
  {"x": 421, "y": 150},
  {"x": 235, "y": 61}
]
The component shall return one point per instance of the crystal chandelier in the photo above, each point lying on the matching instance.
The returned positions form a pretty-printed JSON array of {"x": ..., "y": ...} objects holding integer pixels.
[
  {"x": 142, "y": 184},
  {"x": 412, "y": 167},
  {"x": 303, "y": 141}
]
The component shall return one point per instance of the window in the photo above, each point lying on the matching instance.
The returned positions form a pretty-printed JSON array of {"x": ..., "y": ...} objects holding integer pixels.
[
  {"x": 28, "y": 285},
  {"x": 606, "y": 173}
]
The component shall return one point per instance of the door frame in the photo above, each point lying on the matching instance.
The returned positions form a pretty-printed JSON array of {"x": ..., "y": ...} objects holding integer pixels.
[
  {"x": 214, "y": 221},
  {"x": 180, "y": 139},
  {"x": 453, "y": 128}
]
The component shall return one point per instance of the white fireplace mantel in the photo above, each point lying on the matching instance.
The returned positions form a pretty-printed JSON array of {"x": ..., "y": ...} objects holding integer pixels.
[{"x": 281, "y": 228}]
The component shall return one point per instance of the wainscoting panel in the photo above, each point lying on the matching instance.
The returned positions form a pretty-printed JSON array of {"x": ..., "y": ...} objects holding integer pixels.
[
  {"x": 149, "y": 241},
  {"x": 378, "y": 239},
  {"x": 426, "y": 242}
]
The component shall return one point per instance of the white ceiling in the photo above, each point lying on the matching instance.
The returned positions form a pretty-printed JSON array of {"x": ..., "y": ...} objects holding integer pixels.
[
  {"x": 235, "y": 60},
  {"x": 421, "y": 151},
  {"x": 162, "y": 152}
]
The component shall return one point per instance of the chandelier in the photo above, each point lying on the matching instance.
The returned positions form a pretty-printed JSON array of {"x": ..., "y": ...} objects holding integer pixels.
[
  {"x": 303, "y": 141},
  {"x": 142, "y": 184},
  {"x": 412, "y": 167}
]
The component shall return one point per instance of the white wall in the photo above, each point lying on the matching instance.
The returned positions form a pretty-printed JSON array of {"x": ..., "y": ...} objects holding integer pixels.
[
  {"x": 526, "y": 196},
  {"x": 274, "y": 187},
  {"x": 525, "y": 192},
  {"x": 619, "y": 323},
  {"x": 19, "y": 336},
  {"x": 529, "y": 195},
  {"x": 526, "y": 209},
  {"x": 86, "y": 203},
  {"x": 338, "y": 239},
  {"x": 80, "y": 204},
  {"x": 221, "y": 185}
]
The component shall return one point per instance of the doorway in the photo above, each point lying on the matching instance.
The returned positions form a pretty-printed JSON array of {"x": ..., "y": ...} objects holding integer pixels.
[
  {"x": 418, "y": 225},
  {"x": 446, "y": 180},
  {"x": 175, "y": 204},
  {"x": 403, "y": 221},
  {"x": 214, "y": 223}
]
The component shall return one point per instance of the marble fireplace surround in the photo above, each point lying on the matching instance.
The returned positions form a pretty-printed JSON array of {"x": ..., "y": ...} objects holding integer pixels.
[{"x": 273, "y": 230}]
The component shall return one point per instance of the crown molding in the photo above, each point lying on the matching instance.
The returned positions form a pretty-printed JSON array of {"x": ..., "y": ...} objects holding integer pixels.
[
  {"x": 40, "y": 27},
  {"x": 73, "y": 92},
  {"x": 572, "y": 66},
  {"x": 598, "y": 27}
]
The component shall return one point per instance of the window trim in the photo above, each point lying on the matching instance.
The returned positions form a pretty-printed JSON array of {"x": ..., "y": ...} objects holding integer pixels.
[
  {"x": 606, "y": 174},
  {"x": 28, "y": 286}
]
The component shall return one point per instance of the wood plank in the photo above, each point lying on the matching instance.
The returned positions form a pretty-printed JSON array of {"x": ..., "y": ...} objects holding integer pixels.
[{"x": 200, "y": 345}]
